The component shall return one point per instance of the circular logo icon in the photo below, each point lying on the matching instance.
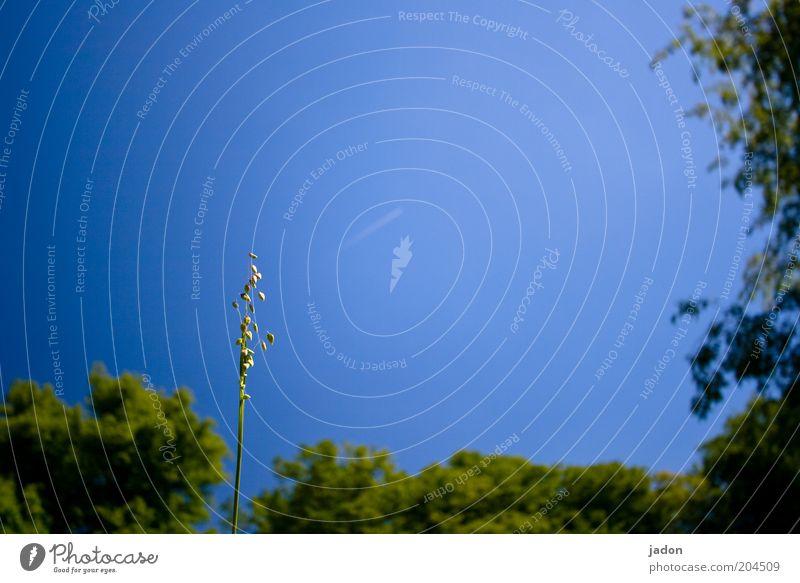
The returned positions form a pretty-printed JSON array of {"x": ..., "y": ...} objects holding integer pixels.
[{"x": 31, "y": 556}]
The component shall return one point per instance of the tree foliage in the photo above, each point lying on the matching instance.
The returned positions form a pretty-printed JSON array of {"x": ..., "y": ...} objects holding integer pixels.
[
  {"x": 753, "y": 470},
  {"x": 747, "y": 56},
  {"x": 748, "y": 59},
  {"x": 359, "y": 490},
  {"x": 109, "y": 466},
  {"x": 131, "y": 459}
]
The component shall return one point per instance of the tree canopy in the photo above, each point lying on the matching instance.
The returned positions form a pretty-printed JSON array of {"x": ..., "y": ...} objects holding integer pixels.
[
  {"x": 131, "y": 459},
  {"x": 753, "y": 470},
  {"x": 747, "y": 57},
  {"x": 134, "y": 459},
  {"x": 359, "y": 490}
]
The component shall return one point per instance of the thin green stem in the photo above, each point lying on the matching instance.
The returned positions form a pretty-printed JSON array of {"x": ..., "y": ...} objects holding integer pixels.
[
  {"x": 240, "y": 435},
  {"x": 245, "y": 362}
]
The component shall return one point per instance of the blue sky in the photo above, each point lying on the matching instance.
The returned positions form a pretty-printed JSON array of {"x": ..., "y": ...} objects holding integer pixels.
[{"x": 540, "y": 177}]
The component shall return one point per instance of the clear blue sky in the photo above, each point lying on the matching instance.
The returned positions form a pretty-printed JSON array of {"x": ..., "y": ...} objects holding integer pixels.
[{"x": 531, "y": 168}]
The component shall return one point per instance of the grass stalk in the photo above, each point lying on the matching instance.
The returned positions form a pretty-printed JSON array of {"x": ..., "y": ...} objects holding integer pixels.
[{"x": 248, "y": 326}]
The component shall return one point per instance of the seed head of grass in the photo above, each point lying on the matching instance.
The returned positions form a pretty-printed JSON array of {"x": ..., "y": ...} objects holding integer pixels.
[
  {"x": 247, "y": 325},
  {"x": 245, "y": 362}
]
